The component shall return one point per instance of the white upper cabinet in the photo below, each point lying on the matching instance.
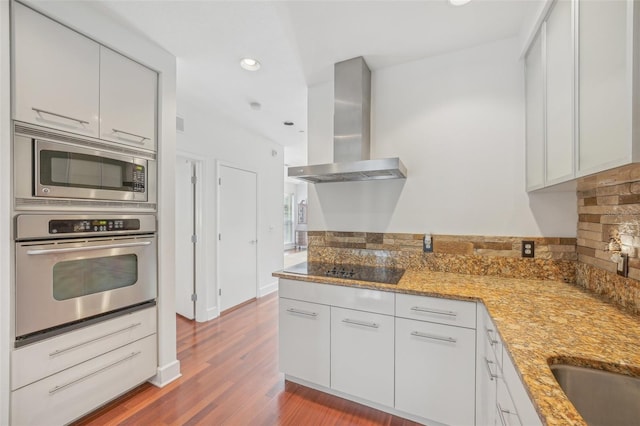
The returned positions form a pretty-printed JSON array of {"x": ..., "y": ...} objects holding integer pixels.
[
  {"x": 127, "y": 101},
  {"x": 56, "y": 72},
  {"x": 534, "y": 90},
  {"x": 559, "y": 94},
  {"x": 589, "y": 88},
  {"x": 605, "y": 90}
]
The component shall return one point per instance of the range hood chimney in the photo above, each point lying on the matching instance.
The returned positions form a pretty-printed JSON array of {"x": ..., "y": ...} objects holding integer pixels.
[{"x": 351, "y": 133}]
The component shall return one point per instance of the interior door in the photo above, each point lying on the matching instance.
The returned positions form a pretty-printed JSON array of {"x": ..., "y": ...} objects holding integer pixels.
[
  {"x": 237, "y": 240},
  {"x": 185, "y": 229}
]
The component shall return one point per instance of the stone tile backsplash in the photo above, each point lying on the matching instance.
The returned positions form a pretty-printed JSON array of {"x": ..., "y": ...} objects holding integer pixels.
[
  {"x": 478, "y": 255},
  {"x": 609, "y": 224}
]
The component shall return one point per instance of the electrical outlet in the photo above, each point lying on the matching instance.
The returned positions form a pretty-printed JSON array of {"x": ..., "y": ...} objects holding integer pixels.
[
  {"x": 528, "y": 249},
  {"x": 623, "y": 265},
  {"x": 427, "y": 245}
]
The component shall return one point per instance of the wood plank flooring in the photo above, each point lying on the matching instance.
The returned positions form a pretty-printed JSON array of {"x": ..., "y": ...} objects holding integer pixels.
[{"x": 230, "y": 377}]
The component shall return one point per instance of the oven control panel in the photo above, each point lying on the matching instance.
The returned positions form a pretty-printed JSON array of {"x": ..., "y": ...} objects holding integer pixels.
[{"x": 92, "y": 225}]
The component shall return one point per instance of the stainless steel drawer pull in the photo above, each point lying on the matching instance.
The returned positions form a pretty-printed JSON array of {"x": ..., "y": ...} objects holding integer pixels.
[
  {"x": 298, "y": 311},
  {"x": 489, "y": 332},
  {"x": 77, "y": 345},
  {"x": 142, "y": 138},
  {"x": 93, "y": 373},
  {"x": 434, "y": 311},
  {"x": 502, "y": 412},
  {"x": 434, "y": 337},
  {"x": 491, "y": 374},
  {"x": 40, "y": 111},
  {"x": 74, "y": 249},
  {"x": 362, "y": 323}
]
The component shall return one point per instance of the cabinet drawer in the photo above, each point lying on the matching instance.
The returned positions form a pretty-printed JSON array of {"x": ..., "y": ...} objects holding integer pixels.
[
  {"x": 435, "y": 371},
  {"x": 362, "y": 354},
  {"x": 488, "y": 331},
  {"x": 42, "y": 359},
  {"x": 381, "y": 302},
  {"x": 434, "y": 309},
  {"x": 304, "y": 340},
  {"x": 67, "y": 395}
]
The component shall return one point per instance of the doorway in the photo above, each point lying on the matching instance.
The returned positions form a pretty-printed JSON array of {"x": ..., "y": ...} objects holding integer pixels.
[
  {"x": 237, "y": 236},
  {"x": 186, "y": 236}
]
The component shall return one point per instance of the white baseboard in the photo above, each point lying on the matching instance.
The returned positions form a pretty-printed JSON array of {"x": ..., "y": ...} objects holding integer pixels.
[
  {"x": 268, "y": 289},
  {"x": 212, "y": 313},
  {"x": 166, "y": 374}
]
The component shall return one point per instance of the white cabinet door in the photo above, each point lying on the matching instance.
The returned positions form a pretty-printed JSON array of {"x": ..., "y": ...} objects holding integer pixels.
[
  {"x": 486, "y": 373},
  {"x": 521, "y": 402},
  {"x": 534, "y": 90},
  {"x": 56, "y": 72},
  {"x": 304, "y": 340},
  {"x": 604, "y": 85},
  {"x": 559, "y": 94},
  {"x": 435, "y": 371},
  {"x": 506, "y": 411},
  {"x": 362, "y": 354},
  {"x": 127, "y": 101}
]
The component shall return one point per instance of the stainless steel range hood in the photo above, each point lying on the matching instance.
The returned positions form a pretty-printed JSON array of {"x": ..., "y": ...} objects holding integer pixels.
[{"x": 351, "y": 130}]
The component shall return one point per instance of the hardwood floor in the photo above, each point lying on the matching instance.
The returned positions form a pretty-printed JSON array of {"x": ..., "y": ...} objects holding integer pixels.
[{"x": 230, "y": 377}]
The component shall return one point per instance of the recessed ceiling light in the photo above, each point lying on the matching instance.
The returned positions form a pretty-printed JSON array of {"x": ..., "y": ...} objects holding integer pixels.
[
  {"x": 288, "y": 123},
  {"x": 459, "y": 2},
  {"x": 250, "y": 64}
]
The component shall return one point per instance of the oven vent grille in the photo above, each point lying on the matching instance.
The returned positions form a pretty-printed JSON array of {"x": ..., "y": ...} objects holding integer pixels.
[
  {"x": 84, "y": 204},
  {"x": 85, "y": 141}
]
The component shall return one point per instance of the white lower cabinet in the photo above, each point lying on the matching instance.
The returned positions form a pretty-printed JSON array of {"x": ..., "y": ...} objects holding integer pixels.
[
  {"x": 362, "y": 355},
  {"x": 486, "y": 371},
  {"x": 435, "y": 371},
  {"x": 304, "y": 340},
  {"x": 408, "y": 354},
  {"x": 71, "y": 393}
]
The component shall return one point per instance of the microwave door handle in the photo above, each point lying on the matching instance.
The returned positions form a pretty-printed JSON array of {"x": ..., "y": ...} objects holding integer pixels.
[{"x": 75, "y": 249}]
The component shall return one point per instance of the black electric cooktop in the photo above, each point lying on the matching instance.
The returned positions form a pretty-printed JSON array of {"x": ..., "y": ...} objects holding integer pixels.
[{"x": 377, "y": 274}]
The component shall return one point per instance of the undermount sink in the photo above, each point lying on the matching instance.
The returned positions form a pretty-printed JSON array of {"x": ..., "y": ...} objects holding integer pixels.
[{"x": 601, "y": 397}]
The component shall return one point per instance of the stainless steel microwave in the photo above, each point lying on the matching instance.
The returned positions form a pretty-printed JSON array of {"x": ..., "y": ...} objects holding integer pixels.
[{"x": 57, "y": 166}]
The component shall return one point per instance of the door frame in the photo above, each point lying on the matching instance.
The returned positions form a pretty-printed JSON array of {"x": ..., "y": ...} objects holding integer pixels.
[
  {"x": 200, "y": 314},
  {"x": 219, "y": 165}
]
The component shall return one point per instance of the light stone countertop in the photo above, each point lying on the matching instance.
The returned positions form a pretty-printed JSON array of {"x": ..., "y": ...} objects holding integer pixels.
[{"x": 540, "y": 322}]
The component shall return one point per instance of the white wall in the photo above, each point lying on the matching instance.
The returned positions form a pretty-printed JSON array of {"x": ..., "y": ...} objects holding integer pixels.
[
  {"x": 457, "y": 123},
  {"x": 85, "y": 18},
  {"x": 5, "y": 214},
  {"x": 211, "y": 136}
]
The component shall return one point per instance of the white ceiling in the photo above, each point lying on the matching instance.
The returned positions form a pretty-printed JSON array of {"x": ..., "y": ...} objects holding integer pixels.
[{"x": 298, "y": 42}]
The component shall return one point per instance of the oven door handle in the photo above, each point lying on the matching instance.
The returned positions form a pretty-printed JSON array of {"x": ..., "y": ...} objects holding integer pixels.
[{"x": 75, "y": 249}]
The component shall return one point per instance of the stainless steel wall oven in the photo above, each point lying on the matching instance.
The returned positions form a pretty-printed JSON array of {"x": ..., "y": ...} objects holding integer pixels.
[
  {"x": 55, "y": 169},
  {"x": 77, "y": 269}
]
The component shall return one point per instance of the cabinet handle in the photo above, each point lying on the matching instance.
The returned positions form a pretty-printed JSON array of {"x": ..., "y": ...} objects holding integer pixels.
[
  {"x": 307, "y": 313},
  {"x": 492, "y": 341},
  {"x": 501, "y": 413},
  {"x": 142, "y": 138},
  {"x": 434, "y": 311},
  {"x": 362, "y": 323},
  {"x": 77, "y": 345},
  {"x": 40, "y": 111},
  {"x": 434, "y": 337},
  {"x": 93, "y": 373},
  {"x": 491, "y": 375}
]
